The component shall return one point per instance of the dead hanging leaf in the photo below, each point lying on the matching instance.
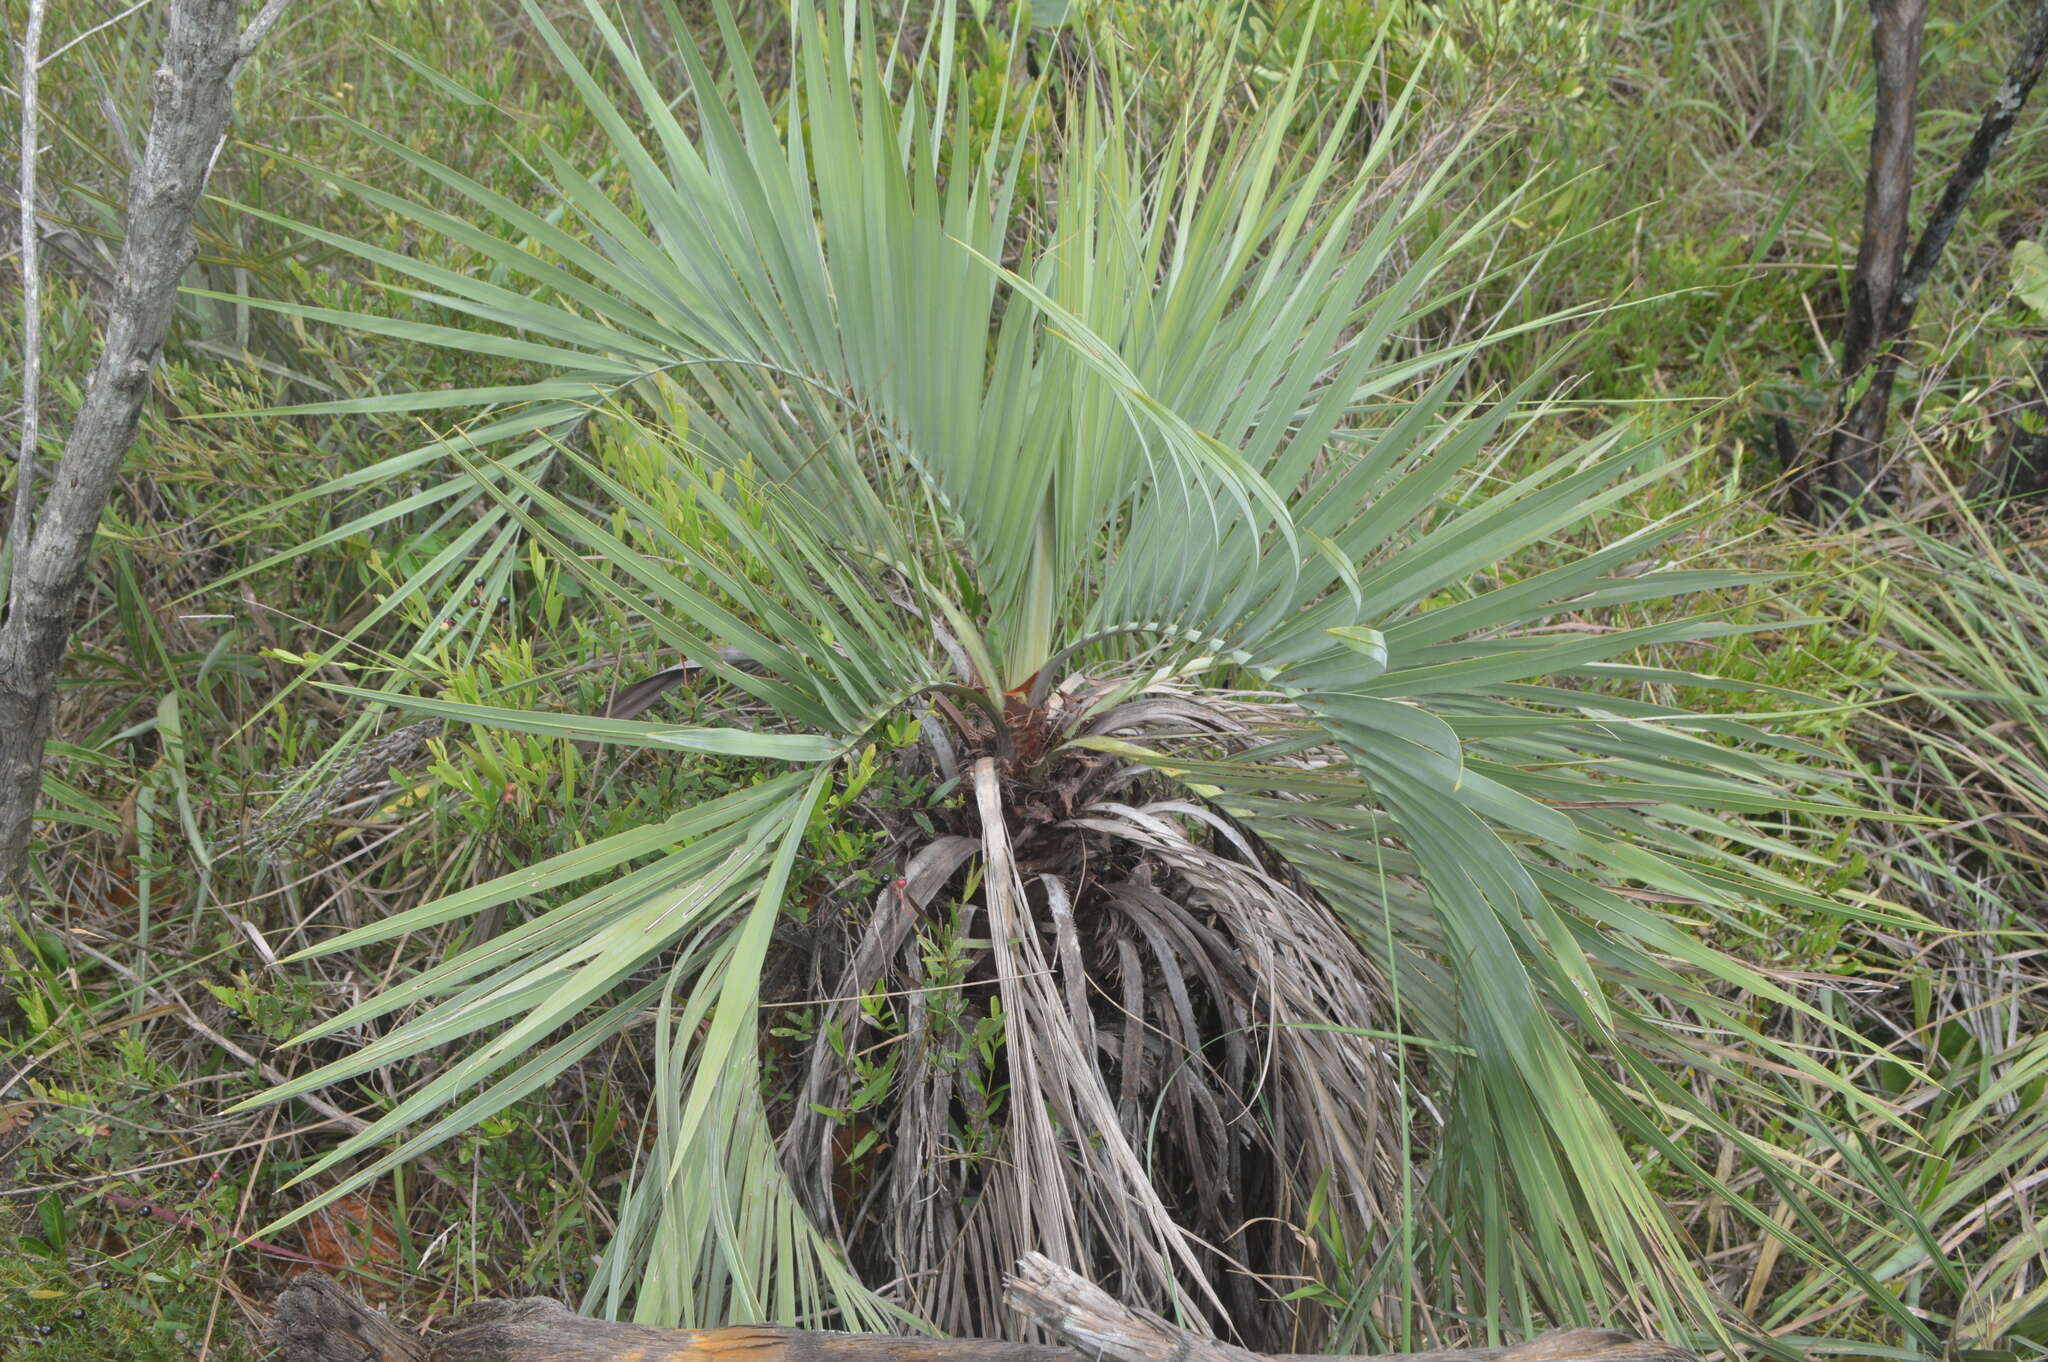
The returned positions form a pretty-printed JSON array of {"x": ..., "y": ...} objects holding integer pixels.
[
  {"x": 15, "y": 1116},
  {"x": 129, "y": 838},
  {"x": 354, "y": 1237},
  {"x": 636, "y": 699},
  {"x": 121, "y": 891}
]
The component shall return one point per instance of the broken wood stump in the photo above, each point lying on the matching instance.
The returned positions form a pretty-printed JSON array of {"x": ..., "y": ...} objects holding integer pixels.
[{"x": 315, "y": 1320}]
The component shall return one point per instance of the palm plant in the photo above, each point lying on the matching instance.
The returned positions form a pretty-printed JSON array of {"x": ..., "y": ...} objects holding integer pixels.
[{"x": 1284, "y": 900}]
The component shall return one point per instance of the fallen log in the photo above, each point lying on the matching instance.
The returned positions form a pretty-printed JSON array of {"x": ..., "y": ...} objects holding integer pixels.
[
  {"x": 1098, "y": 1326},
  {"x": 316, "y": 1320}
]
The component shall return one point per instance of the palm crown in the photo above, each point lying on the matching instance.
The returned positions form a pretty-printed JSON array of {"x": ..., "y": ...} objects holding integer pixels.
[{"x": 1279, "y": 892}]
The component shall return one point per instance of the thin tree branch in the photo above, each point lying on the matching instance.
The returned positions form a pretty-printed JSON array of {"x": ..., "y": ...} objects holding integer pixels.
[
  {"x": 1858, "y": 436},
  {"x": 1991, "y": 133},
  {"x": 49, "y": 57},
  {"x": 252, "y": 36},
  {"x": 1896, "y": 29},
  {"x": 1849, "y": 470},
  {"x": 31, "y": 296}
]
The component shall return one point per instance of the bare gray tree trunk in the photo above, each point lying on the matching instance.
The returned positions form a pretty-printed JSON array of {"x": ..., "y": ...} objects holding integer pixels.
[
  {"x": 31, "y": 273},
  {"x": 194, "y": 86}
]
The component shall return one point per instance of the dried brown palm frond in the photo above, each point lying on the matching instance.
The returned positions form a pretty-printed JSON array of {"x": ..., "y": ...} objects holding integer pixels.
[{"x": 1186, "y": 1060}]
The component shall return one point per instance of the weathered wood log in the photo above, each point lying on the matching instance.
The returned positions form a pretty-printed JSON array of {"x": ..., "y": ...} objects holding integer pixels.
[{"x": 317, "y": 1321}]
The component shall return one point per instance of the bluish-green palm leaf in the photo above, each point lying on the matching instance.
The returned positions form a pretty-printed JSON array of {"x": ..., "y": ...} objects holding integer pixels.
[{"x": 1163, "y": 440}]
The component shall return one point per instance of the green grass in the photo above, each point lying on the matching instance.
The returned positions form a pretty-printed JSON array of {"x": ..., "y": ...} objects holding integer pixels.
[{"x": 1709, "y": 179}]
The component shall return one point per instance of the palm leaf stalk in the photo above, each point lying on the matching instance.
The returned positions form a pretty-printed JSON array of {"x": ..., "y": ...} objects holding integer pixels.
[{"x": 1288, "y": 906}]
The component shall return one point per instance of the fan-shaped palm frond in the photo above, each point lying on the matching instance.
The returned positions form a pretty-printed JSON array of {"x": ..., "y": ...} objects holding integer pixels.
[{"x": 1282, "y": 894}]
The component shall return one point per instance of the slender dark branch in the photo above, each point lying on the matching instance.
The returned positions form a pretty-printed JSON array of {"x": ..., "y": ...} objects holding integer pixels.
[
  {"x": 1875, "y": 339},
  {"x": 1850, "y": 468},
  {"x": 1896, "y": 28},
  {"x": 1991, "y": 133}
]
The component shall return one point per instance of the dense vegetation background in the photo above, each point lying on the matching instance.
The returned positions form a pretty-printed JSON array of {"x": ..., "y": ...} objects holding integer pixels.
[{"x": 1677, "y": 187}]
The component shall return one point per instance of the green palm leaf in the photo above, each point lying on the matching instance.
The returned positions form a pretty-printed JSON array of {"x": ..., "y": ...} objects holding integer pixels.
[{"x": 1138, "y": 502}]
